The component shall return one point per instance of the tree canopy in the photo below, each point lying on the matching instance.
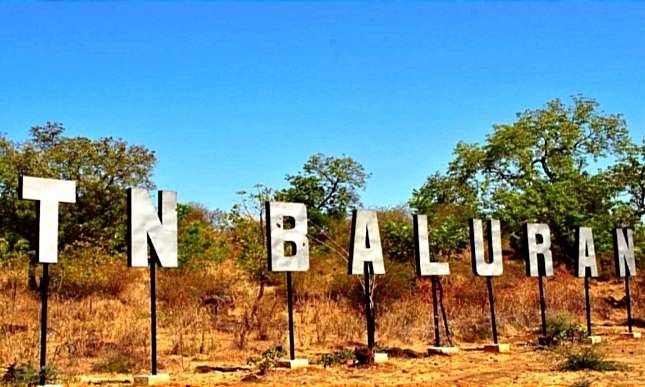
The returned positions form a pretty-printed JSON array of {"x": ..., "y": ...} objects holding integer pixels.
[
  {"x": 567, "y": 166},
  {"x": 102, "y": 168},
  {"x": 329, "y": 186}
]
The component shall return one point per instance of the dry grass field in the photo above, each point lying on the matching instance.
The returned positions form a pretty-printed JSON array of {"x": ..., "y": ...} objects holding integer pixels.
[{"x": 207, "y": 341}]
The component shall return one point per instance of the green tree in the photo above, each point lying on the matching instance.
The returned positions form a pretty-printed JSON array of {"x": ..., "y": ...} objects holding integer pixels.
[
  {"x": 630, "y": 173},
  {"x": 329, "y": 186},
  {"x": 102, "y": 168},
  {"x": 248, "y": 222},
  {"x": 551, "y": 165},
  {"x": 201, "y": 236}
]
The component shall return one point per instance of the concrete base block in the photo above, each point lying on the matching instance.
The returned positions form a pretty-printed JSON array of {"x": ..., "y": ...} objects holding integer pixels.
[
  {"x": 90, "y": 379},
  {"x": 497, "y": 348},
  {"x": 295, "y": 363},
  {"x": 298, "y": 363},
  {"x": 445, "y": 351},
  {"x": 632, "y": 335},
  {"x": 151, "y": 380},
  {"x": 50, "y": 385},
  {"x": 593, "y": 340},
  {"x": 380, "y": 357}
]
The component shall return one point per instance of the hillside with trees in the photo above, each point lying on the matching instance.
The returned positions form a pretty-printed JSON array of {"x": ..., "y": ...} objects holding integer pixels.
[{"x": 564, "y": 164}]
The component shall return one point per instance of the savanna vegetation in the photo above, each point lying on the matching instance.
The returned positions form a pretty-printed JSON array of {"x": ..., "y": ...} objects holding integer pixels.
[{"x": 565, "y": 164}]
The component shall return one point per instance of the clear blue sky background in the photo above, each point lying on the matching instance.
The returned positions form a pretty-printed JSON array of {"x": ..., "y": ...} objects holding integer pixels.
[{"x": 233, "y": 94}]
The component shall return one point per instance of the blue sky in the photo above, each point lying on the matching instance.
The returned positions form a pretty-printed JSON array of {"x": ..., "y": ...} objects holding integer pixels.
[{"x": 233, "y": 94}]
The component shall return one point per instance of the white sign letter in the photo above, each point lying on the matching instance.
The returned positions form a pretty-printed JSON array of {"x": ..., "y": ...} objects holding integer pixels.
[
  {"x": 146, "y": 228},
  {"x": 365, "y": 244},
  {"x": 422, "y": 250},
  {"x": 586, "y": 253},
  {"x": 278, "y": 236},
  {"x": 534, "y": 266},
  {"x": 624, "y": 252},
  {"x": 480, "y": 267},
  {"x": 49, "y": 192}
]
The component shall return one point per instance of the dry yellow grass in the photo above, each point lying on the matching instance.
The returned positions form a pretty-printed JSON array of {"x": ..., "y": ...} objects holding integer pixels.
[{"x": 100, "y": 334}]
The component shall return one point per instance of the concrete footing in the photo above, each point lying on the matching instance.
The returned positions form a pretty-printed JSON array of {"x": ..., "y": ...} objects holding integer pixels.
[
  {"x": 632, "y": 335},
  {"x": 293, "y": 364},
  {"x": 445, "y": 351},
  {"x": 593, "y": 340},
  {"x": 50, "y": 385},
  {"x": 91, "y": 379},
  {"x": 151, "y": 380},
  {"x": 380, "y": 357},
  {"x": 497, "y": 348},
  {"x": 299, "y": 363}
]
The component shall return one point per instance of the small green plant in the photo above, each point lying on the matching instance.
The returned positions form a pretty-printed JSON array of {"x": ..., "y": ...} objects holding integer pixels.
[
  {"x": 562, "y": 327},
  {"x": 26, "y": 375},
  {"x": 338, "y": 357},
  {"x": 588, "y": 358},
  {"x": 268, "y": 360}
]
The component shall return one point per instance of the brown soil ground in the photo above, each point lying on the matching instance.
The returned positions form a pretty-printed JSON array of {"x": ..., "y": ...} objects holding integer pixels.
[{"x": 526, "y": 365}]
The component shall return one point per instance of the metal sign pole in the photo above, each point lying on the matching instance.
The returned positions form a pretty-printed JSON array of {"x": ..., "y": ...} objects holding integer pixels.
[
  {"x": 542, "y": 305},
  {"x": 491, "y": 302},
  {"x": 44, "y": 285},
  {"x": 153, "y": 316},
  {"x": 435, "y": 312},
  {"x": 369, "y": 313},
  {"x": 292, "y": 344},
  {"x": 629, "y": 303},
  {"x": 588, "y": 300}
]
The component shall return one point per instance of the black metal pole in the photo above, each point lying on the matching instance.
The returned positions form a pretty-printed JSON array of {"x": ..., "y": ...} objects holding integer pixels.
[
  {"x": 542, "y": 305},
  {"x": 629, "y": 304},
  {"x": 588, "y": 302},
  {"x": 435, "y": 312},
  {"x": 368, "y": 307},
  {"x": 491, "y": 302},
  {"x": 153, "y": 316},
  {"x": 44, "y": 285},
  {"x": 292, "y": 343}
]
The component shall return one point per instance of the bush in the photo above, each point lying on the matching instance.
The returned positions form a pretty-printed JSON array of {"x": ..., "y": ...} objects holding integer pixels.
[
  {"x": 268, "y": 360},
  {"x": 339, "y": 357},
  {"x": 26, "y": 375},
  {"x": 588, "y": 358},
  {"x": 85, "y": 270},
  {"x": 561, "y": 328}
]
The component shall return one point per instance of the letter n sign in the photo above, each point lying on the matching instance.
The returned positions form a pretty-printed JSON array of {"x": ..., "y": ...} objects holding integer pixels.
[{"x": 147, "y": 228}]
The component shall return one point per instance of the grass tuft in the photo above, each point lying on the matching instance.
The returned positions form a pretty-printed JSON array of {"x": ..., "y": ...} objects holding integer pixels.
[{"x": 589, "y": 358}]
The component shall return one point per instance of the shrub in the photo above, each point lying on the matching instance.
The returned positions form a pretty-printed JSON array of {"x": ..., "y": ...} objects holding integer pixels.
[
  {"x": 268, "y": 360},
  {"x": 338, "y": 357},
  {"x": 86, "y": 270},
  {"x": 26, "y": 375},
  {"x": 561, "y": 328},
  {"x": 588, "y": 358}
]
